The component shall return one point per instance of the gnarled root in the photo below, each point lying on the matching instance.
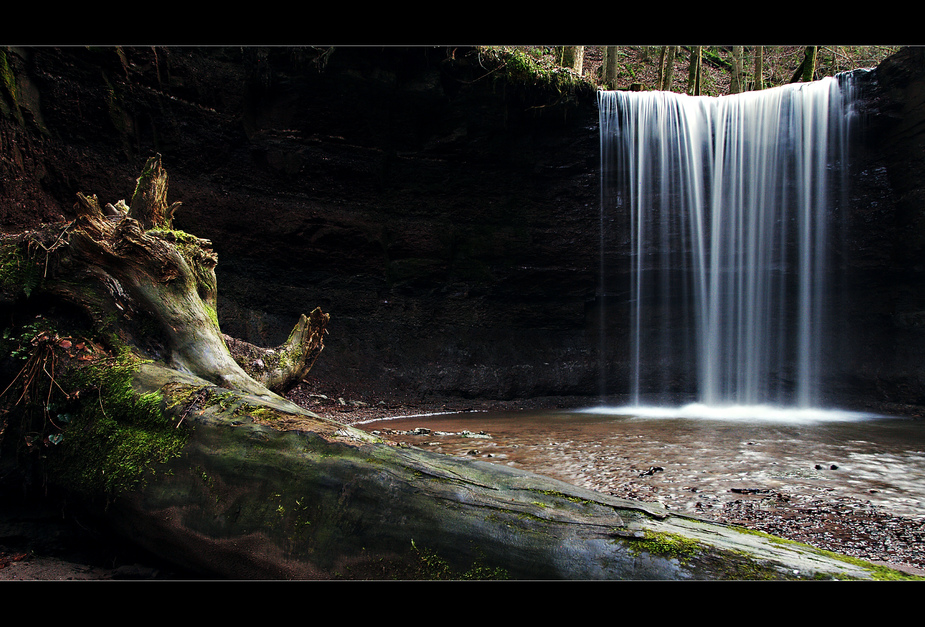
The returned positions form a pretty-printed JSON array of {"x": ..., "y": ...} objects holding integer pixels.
[{"x": 282, "y": 368}]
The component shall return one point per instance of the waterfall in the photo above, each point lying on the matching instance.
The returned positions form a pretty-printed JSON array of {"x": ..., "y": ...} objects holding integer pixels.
[{"x": 731, "y": 207}]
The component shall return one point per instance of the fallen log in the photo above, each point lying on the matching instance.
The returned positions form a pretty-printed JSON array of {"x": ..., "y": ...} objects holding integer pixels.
[{"x": 266, "y": 490}]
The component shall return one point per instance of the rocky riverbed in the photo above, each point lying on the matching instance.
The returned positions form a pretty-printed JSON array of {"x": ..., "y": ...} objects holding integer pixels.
[{"x": 811, "y": 500}]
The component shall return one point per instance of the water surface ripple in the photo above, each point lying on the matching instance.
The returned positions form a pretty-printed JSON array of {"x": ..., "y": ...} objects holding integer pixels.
[{"x": 692, "y": 461}]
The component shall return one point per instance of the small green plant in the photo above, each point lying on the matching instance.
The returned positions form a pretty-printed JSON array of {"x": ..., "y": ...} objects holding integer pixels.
[
  {"x": 525, "y": 68},
  {"x": 20, "y": 270},
  {"x": 432, "y": 566},
  {"x": 34, "y": 391}
]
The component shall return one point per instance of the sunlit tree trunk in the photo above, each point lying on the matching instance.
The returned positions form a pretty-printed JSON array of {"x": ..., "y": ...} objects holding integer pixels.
[
  {"x": 572, "y": 57},
  {"x": 662, "y": 53},
  {"x": 666, "y": 67}
]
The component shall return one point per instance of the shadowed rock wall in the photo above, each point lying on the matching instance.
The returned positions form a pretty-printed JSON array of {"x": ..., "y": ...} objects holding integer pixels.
[
  {"x": 446, "y": 217},
  {"x": 884, "y": 328}
]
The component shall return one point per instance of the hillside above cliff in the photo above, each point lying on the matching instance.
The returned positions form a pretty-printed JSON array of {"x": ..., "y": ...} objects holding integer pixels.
[{"x": 640, "y": 64}]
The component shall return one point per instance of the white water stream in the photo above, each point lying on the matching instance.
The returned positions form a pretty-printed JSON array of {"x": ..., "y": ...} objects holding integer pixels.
[{"x": 733, "y": 205}]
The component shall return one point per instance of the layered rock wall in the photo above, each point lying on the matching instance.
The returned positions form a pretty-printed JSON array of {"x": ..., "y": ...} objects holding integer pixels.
[{"x": 446, "y": 216}]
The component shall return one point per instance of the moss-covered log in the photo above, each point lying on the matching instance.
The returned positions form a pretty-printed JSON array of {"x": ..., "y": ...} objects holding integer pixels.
[
  {"x": 265, "y": 491},
  {"x": 122, "y": 390}
]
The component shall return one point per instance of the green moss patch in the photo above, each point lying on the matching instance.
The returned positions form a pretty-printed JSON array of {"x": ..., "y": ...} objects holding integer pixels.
[
  {"x": 115, "y": 438},
  {"x": 666, "y": 545}
]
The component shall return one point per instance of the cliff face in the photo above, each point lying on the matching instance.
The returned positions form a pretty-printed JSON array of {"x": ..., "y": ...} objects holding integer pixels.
[
  {"x": 885, "y": 310},
  {"x": 445, "y": 217}
]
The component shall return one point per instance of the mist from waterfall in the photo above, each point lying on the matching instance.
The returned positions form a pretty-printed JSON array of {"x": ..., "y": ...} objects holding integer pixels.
[{"x": 731, "y": 205}]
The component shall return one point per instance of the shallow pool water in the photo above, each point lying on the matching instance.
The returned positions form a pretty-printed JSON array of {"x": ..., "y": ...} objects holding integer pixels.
[{"x": 691, "y": 460}]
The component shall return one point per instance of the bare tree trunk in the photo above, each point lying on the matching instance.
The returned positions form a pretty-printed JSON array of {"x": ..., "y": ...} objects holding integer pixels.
[
  {"x": 670, "y": 54},
  {"x": 663, "y": 53},
  {"x": 609, "y": 67},
  {"x": 666, "y": 67},
  {"x": 572, "y": 57},
  {"x": 694, "y": 74},
  {"x": 807, "y": 68},
  {"x": 736, "y": 84},
  {"x": 759, "y": 68},
  {"x": 809, "y": 64}
]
